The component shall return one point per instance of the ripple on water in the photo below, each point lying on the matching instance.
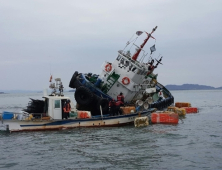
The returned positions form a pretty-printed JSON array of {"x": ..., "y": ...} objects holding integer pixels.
[{"x": 194, "y": 143}]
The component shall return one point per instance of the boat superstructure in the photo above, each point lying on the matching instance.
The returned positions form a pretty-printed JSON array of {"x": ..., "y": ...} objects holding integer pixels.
[{"x": 127, "y": 74}]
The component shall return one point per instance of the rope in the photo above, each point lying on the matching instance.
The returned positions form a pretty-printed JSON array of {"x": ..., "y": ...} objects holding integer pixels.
[{"x": 181, "y": 120}]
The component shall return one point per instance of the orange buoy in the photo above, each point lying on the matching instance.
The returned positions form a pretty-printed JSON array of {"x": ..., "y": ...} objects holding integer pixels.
[
  {"x": 125, "y": 80},
  {"x": 165, "y": 118},
  {"x": 191, "y": 109},
  {"x": 182, "y": 104}
]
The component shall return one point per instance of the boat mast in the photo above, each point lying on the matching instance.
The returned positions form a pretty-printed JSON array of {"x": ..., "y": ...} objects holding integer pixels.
[{"x": 135, "y": 56}]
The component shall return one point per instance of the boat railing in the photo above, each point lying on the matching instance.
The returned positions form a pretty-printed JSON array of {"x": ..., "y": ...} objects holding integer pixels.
[
  {"x": 93, "y": 88},
  {"x": 133, "y": 62}
]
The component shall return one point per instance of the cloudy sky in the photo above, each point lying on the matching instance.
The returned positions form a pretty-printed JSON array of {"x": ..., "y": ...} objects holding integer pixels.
[{"x": 59, "y": 37}]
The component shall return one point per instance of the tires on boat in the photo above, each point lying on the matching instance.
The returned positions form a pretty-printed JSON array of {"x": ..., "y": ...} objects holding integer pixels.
[
  {"x": 83, "y": 96},
  {"x": 74, "y": 82},
  {"x": 104, "y": 103}
]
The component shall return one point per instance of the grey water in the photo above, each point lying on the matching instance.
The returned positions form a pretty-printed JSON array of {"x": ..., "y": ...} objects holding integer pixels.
[{"x": 195, "y": 143}]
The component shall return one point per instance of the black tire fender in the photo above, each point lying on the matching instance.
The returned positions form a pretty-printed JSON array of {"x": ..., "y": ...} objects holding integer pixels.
[
  {"x": 83, "y": 96},
  {"x": 104, "y": 103},
  {"x": 74, "y": 82}
]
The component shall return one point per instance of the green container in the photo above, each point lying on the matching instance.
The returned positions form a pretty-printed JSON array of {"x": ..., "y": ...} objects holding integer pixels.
[{"x": 73, "y": 114}]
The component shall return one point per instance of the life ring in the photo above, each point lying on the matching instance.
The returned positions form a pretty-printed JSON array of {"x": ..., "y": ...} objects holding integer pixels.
[
  {"x": 125, "y": 80},
  {"x": 108, "y": 67}
]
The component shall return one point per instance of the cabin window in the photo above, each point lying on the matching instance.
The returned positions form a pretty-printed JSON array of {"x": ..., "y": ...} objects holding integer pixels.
[
  {"x": 144, "y": 72},
  {"x": 118, "y": 58},
  {"x": 126, "y": 63},
  {"x": 57, "y": 103},
  {"x": 122, "y": 61},
  {"x": 139, "y": 71},
  {"x": 134, "y": 69},
  {"x": 131, "y": 66}
]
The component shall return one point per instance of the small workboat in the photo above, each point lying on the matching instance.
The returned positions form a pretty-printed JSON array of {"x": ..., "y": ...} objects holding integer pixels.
[{"x": 48, "y": 114}]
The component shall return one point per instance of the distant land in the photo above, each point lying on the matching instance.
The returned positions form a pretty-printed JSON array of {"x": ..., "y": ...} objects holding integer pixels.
[
  {"x": 191, "y": 87},
  {"x": 27, "y": 91},
  {"x": 72, "y": 90},
  {"x": 18, "y": 91},
  {"x": 169, "y": 87}
]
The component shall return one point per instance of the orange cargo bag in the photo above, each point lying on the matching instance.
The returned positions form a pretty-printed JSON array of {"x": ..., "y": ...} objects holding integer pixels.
[
  {"x": 191, "y": 109},
  {"x": 182, "y": 104},
  {"x": 83, "y": 114},
  {"x": 128, "y": 109},
  {"x": 165, "y": 118}
]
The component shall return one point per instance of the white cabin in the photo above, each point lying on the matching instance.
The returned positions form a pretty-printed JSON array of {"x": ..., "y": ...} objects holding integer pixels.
[{"x": 54, "y": 105}]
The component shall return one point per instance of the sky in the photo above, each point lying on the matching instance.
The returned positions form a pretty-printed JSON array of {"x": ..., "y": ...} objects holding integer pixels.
[{"x": 39, "y": 38}]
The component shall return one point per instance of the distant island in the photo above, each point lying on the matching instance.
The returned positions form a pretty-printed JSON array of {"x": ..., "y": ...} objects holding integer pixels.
[
  {"x": 72, "y": 90},
  {"x": 28, "y": 91},
  {"x": 18, "y": 91},
  {"x": 191, "y": 87}
]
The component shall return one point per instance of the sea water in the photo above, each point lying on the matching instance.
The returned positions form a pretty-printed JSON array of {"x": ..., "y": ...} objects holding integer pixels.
[{"x": 195, "y": 143}]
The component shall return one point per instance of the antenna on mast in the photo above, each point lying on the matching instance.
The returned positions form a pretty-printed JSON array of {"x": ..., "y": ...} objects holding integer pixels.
[{"x": 135, "y": 56}]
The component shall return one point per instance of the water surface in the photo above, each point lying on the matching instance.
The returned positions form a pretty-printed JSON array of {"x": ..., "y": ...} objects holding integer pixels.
[{"x": 195, "y": 143}]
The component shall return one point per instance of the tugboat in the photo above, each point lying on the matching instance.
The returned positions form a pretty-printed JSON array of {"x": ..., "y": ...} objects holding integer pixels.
[{"x": 127, "y": 74}]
